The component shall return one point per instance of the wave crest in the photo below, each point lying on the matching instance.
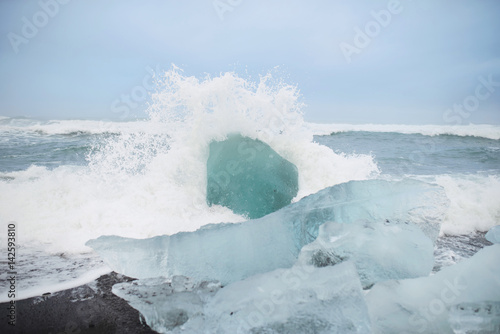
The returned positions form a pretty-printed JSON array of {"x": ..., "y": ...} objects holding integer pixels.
[
  {"x": 473, "y": 130},
  {"x": 150, "y": 178}
]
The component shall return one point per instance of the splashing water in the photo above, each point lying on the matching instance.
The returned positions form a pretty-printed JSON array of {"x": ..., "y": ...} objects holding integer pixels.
[{"x": 150, "y": 178}]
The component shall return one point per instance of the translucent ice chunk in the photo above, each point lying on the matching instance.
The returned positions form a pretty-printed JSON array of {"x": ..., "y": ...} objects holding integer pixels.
[
  {"x": 408, "y": 200},
  {"x": 231, "y": 252},
  {"x": 302, "y": 299},
  {"x": 223, "y": 252},
  {"x": 249, "y": 177},
  {"x": 380, "y": 250},
  {"x": 421, "y": 305},
  {"x": 475, "y": 318},
  {"x": 493, "y": 235},
  {"x": 167, "y": 305}
]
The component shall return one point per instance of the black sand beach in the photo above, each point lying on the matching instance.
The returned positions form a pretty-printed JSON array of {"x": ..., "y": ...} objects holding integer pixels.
[{"x": 90, "y": 308}]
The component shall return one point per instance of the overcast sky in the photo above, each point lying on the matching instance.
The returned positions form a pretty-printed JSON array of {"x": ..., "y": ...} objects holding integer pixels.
[{"x": 413, "y": 62}]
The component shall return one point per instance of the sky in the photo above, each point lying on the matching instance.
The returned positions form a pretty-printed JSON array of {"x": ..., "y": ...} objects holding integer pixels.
[{"x": 354, "y": 61}]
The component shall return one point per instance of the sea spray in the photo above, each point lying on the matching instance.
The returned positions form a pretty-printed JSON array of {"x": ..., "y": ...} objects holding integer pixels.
[{"x": 148, "y": 177}]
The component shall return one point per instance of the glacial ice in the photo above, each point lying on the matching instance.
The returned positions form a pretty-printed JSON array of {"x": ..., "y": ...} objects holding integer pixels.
[
  {"x": 493, "y": 235},
  {"x": 422, "y": 305},
  {"x": 231, "y": 252},
  {"x": 249, "y": 177},
  {"x": 222, "y": 252},
  {"x": 475, "y": 318},
  {"x": 167, "y": 305},
  {"x": 302, "y": 299},
  {"x": 381, "y": 250}
]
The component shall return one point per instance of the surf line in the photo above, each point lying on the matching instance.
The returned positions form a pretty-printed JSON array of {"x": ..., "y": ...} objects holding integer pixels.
[{"x": 11, "y": 273}]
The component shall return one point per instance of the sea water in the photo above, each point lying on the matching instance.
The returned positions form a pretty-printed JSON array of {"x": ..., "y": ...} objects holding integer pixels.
[{"x": 64, "y": 182}]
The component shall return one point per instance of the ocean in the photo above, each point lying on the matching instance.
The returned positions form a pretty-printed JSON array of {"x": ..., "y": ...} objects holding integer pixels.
[{"x": 64, "y": 182}]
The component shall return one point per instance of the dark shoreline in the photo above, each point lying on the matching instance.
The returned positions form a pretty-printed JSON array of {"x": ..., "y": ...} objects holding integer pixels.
[{"x": 90, "y": 308}]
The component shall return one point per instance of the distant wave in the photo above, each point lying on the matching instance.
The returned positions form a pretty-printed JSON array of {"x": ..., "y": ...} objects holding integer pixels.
[
  {"x": 75, "y": 127},
  {"x": 90, "y": 127},
  {"x": 474, "y": 130}
]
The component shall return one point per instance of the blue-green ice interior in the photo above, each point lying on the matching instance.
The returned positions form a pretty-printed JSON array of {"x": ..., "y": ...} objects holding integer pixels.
[{"x": 249, "y": 177}]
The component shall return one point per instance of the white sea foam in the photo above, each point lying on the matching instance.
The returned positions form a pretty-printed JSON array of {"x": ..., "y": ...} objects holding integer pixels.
[
  {"x": 476, "y": 130},
  {"x": 151, "y": 180},
  {"x": 39, "y": 273},
  {"x": 474, "y": 203},
  {"x": 70, "y": 127}
]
